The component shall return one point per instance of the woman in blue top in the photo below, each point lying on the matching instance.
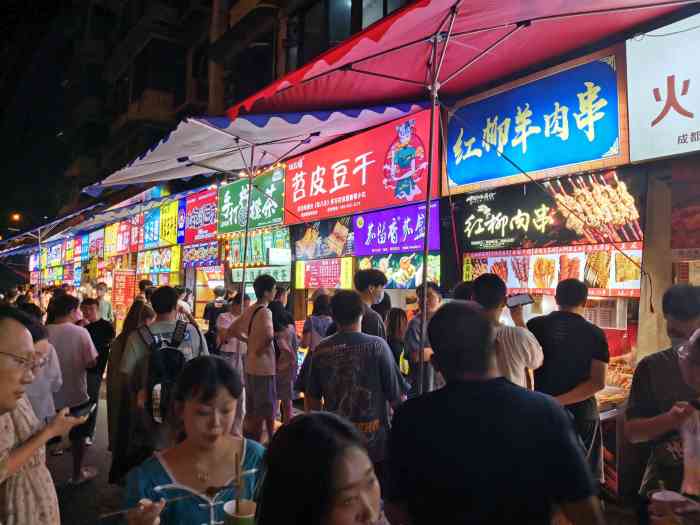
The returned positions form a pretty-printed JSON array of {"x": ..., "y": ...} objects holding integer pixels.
[{"x": 201, "y": 467}]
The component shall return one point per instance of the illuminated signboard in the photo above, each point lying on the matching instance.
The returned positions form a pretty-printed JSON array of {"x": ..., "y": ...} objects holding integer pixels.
[
  {"x": 609, "y": 271},
  {"x": 379, "y": 168},
  {"x": 592, "y": 209},
  {"x": 403, "y": 271},
  {"x": 324, "y": 273},
  {"x": 562, "y": 120}
]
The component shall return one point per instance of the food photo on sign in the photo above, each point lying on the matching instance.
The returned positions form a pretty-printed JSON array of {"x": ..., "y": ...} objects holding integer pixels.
[
  {"x": 595, "y": 208},
  {"x": 323, "y": 239},
  {"x": 403, "y": 271},
  {"x": 379, "y": 168}
]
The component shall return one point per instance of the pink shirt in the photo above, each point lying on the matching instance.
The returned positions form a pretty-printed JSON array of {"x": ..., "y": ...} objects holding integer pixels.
[{"x": 75, "y": 352}]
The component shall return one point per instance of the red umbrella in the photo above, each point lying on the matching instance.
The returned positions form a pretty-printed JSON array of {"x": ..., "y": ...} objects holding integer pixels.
[{"x": 446, "y": 48}]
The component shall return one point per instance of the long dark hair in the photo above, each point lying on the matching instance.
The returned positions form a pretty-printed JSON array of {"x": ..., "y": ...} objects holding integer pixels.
[
  {"x": 395, "y": 320},
  {"x": 137, "y": 315},
  {"x": 298, "y": 487},
  {"x": 280, "y": 317}
]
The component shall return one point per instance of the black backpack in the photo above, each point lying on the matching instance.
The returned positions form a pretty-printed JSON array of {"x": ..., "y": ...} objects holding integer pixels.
[{"x": 165, "y": 362}]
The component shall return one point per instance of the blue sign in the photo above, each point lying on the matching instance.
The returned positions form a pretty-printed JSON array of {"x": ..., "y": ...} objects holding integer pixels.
[
  {"x": 85, "y": 248},
  {"x": 181, "y": 220},
  {"x": 151, "y": 228},
  {"x": 567, "y": 118}
]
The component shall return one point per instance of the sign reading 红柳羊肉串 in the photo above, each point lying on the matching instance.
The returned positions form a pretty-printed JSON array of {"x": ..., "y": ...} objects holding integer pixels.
[
  {"x": 596, "y": 208},
  {"x": 266, "y": 203},
  {"x": 663, "y": 89},
  {"x": 200, "y": 221},
  {"x": 399, "y": 230},
  {"x": 565, "y": 119},
  {"x": 383, "y": 167}
]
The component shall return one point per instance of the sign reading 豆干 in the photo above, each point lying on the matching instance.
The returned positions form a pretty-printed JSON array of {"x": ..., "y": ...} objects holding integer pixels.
[
  {"x": 266, "y": 204},
  {"x": 565, "y": 119},
  {"x": 380, "y": 168},
  {"x": 664, "y": 91}
]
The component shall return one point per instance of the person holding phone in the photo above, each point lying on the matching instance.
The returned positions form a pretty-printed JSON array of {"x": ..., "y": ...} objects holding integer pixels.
[
  {"x": 517, "y": 350},
  {"x": 575, "y": 362},
  {"x": 27, "y": 492}
]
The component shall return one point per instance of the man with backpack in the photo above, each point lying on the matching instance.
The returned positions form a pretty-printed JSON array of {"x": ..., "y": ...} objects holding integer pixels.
[
  {"x": 153, "y": 358},
  {"x": 254, "y": 327}
]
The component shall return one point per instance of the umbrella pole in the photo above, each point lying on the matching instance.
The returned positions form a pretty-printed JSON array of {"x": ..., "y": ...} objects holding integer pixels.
[
  {"x": 426, "y": 238},
  {"x": 247, "y": 219}
]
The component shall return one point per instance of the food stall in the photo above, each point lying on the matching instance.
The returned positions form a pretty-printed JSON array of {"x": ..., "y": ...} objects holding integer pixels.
[{"x": 392, "y": 241}]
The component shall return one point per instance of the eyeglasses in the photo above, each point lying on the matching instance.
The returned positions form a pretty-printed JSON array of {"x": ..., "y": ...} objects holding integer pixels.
[{"x": 26, "y": 364}]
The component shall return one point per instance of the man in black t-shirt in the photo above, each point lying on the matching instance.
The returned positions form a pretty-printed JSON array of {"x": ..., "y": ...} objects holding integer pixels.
[
  {"x": 575, "y": 363},
  {"x": 102, "y": 334},
  {"x": 370, "y": 285},
  {"x": 658, "y": 403},
  {"x": 482, "y": 450},
  {"x": 212, "y": 311}
]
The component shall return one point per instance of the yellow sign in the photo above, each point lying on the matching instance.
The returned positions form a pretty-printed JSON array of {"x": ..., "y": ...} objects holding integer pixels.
[
  {"x": 299, "y": 276},
  {"x": 346, "y": 273},
  {"x": 175, "y": 255},
  {"x": 168, "y": 223},
  {"x": 111, "y": 234}
]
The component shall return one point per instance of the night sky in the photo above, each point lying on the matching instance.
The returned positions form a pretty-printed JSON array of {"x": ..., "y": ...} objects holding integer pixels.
[{"x": 35, "y": 54}]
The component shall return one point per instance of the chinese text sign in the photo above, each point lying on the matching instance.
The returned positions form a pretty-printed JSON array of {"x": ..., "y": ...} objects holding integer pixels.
[
  {"x": 200, "y": 221},
  {"x": 383, "y": 167},
  {"x": 266, "y": 203},
  {"x": 663, "y": 89},
  {"x": 151, "y": 228},
  {"x": 565, "y": 119},
  {"x": 398, "y": 230}
]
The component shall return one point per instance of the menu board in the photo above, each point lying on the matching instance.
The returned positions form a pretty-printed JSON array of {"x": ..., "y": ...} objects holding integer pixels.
[
  {"x": 608, "y": 270},
  {"x": 588, "y": 209},
  {"x": 398, "y": 230},
  {"x": 323, "y": 239},
  {"x": 200, "y": 222},
  {"x": 259, "y": 244},
  {"x": 281, "y": 274},
  {"x": 123, "y": 292},
  {"x": 96, "y": 242},
  {"x": 324, "y": 273},
  {"x": 403, "y": 271},
  {"x": 201, "y": 254},
  {"x": 160, "y": 260},
  {"x": 266, "y": 202},
  {"x": 379, "y": 168}
]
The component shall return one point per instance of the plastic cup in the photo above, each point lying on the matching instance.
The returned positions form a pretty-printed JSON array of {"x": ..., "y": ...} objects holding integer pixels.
[
  {"x": 666, "y": 503},
  {"x": 246, "y": 515}
]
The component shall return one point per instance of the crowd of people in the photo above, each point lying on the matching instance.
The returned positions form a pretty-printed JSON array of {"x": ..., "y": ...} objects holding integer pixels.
[{"x": 478, "y": 418}]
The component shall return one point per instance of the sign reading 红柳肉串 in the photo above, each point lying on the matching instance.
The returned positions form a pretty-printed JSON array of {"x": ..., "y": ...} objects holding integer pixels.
[
  {"x": 383, "y": 167},
  {"x": 399, "y": 230},
  {"x": 562, "y": 120},
  {"x": 266, "y": 202},
  {"x": 200, "y": 221},
  {"x": 663, "y": 90},
  {"x": 597, "y": 208}
]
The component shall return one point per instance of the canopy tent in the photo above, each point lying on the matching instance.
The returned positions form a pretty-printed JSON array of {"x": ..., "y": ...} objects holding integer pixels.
[
  {"x": 488, "y": 40},
  {"x": 201, "y": 146}
]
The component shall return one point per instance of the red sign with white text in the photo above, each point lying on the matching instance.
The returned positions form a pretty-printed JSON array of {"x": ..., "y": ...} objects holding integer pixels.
[
  {"x": 200, "y": 221},
  {"x": 123, "y": 292},
  {"x": 123, "y": 237},
  {"x": 383, "y": 167},
  {"x": 136, "y": 237}
]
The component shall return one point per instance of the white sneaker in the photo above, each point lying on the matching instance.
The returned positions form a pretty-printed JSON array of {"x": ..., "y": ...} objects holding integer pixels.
[{"x": 89, "y": 441}]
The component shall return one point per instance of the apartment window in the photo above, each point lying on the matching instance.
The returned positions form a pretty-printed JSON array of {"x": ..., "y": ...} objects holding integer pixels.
[
  {"x": 314, "y": 38},
  {"x": 339, "y": 21},
  {"x": 374, "y": 10}
]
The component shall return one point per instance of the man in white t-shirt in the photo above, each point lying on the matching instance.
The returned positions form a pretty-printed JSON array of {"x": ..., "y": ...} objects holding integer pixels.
[
  {"x": 254, "y": 327},
  {"x": 233, "y": 350},
  {"x": 76, "y": 353},
  {"x": 517, "y": 350}
]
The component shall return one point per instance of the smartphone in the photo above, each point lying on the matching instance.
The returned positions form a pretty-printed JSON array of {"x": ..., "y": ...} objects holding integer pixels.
[
  {"x": 83, "y": 410},
  {"x": 520, "y": 299}
]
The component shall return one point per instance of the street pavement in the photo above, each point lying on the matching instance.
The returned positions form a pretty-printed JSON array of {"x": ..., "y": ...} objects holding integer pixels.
[{"x": 84, "y": 504}]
